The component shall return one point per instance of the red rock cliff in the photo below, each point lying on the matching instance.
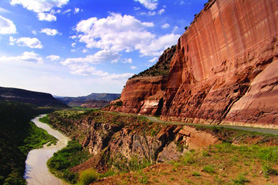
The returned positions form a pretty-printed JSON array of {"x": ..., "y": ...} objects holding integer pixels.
[{"x": 224, "y": 69}]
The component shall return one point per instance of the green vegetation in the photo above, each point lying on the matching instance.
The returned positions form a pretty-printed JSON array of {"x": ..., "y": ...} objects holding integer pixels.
[
  {"x": 122, "y": 164},
  {"x": 67, "y": 158},
  {"x": 162, "y": 67},
  {"x": 88, "y": 176},
  {"x": 17, "y": 137}
]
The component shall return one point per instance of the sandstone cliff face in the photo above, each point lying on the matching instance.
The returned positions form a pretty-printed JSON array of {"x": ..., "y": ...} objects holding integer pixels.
[{"x": 224, "y": 69}]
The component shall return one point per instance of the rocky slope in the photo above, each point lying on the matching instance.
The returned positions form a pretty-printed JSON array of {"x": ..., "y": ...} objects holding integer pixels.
[
  {"x": 223, "y": 71},
  {"x": 115, "y": 140},
  {"x": 25, "y": 96}
]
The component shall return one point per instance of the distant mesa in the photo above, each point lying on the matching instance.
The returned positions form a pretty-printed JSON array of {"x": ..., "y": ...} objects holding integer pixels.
[
  {"x": 32, "y": 97},
  {"x": 94, "y": 100}
]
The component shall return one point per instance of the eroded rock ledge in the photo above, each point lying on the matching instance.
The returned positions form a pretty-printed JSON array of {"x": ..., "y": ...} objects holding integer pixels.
[{"x": 223, "y": 71}]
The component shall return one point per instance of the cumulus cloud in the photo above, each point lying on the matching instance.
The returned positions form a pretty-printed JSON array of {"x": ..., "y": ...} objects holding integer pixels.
[
  {"x": 2, "y": 10},
  {"x": 25, "y": 57},
  {"x": 127, "y": 60},
  {"x": 39, "y": 5},
  {"x": 160, "y": 12},
  {"x": 47, "y": 17},
  {"x": 53, "y": 57},
  {"x": 49, "y": 32},
  {"x": 156, "y": 46},
  {"x": 26, "y": 41},
  {"x": 119, "y": 33},
  {"x": 42, "y": 7},
  {"x": 133, "y": 67},
  {"x": 66, "y": 11},
  {"x": 149, "y": 4},
  {"x": 154, "y": 59},
  {"x": 165, "y": 26},
  {"x": 116, "y": 32},
  {"x": 76, "y": 10},
  {"x": 98, "y": 57},
  {"x": 118, "y": 77},
  {"x": 6, "y": 26}
]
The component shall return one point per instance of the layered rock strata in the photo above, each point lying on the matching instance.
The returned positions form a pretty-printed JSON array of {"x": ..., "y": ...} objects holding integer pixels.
[{"x": 224, "y": 69}]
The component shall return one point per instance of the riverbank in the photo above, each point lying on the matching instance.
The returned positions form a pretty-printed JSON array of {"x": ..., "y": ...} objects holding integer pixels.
[
  {"x": 18, "y": 135},
  {"x": 36, "y": 171}
]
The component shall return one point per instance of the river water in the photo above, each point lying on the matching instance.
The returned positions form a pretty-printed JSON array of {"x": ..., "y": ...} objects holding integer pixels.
[{"x": 36, "y": 171}]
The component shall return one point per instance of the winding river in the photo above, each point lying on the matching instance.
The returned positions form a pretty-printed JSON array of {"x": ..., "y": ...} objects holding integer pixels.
[{"x": 36, "y": 171}]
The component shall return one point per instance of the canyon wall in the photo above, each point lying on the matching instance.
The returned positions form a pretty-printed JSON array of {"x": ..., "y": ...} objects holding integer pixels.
[{"x": 223, "y": 71}]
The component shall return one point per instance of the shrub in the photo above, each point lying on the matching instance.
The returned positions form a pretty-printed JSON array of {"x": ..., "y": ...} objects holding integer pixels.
[
  {"x": 240, "y": 180},
  {"x": 88, "y": 176},
  {"x": 189, "y": 158},
  {"x": 268, "y": 170},
  {"x": 208, "y": 169}
]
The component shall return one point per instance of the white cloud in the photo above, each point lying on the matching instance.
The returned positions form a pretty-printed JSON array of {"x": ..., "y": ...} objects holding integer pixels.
[
  {"x": 25, "y": 57},
  {"x": 2, "y": 10},
  {"x": 122, "y": 33},
  {"x": 46, "y": 17},
  {"x": 39, "y": 6},
  {"x": 154, "y": 59},
  {"x": 6, "y": 26},
  {"x": 73, "y": 45},
  {"x": 127, "y": 60},
  {"x": 175, "y": 29},
  {"x": 44, "y": 8},
  {"x": 118, "y": 77},
  {"x": 49, "y": 32},
  {"x": 76, "y": 10},
  {"x": 149, "y": 4},
  {"x": 26, "y": 41},
  {"x": 165, "y": 26},
  {"x": 133, "y": 67},
  {"x": 161, "y": 11},
  {"x": 66, "y": 11},
  {"x": 116, "y": 32},
  {"x": 53, "y": 57},
  {"x": 84, "y": 51},
  {"x": 156, "y": 46},
  {"x": 98, "y": 57},
  {"x": 34, "y": 32}
]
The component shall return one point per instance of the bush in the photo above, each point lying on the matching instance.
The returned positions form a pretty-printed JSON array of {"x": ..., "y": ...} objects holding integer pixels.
[
  {"x": 208, "y": 169},
  {"x": 88, "y": 176}
]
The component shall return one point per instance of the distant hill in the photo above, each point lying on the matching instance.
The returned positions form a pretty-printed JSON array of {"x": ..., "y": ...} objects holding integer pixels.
[
  {"x": 26, "y": 96},
  {"x": 90, "y": 100}
]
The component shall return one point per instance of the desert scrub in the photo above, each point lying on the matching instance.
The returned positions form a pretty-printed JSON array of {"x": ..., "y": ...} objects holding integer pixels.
[{"x": 88, "y": 176}]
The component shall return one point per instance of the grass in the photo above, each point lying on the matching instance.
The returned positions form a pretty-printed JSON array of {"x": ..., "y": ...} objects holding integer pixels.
[
  {"x": 88, "y": 176},
  {"x": 65, "y": 159},
  {"x": 18, "y": 137},
  {"x": 240, "y": 180},
  {"x": 208, "y": 169}
]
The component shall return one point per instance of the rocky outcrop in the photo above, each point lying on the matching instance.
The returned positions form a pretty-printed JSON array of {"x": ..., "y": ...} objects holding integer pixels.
[
  {"x": 120, "y": 139},
  {"x": 222, "y": 72}
]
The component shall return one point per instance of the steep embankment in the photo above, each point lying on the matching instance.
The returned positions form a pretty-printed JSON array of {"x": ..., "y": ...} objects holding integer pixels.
[
  {"x": 224, "y": 70},
  {"x": 128, "y": 143}
]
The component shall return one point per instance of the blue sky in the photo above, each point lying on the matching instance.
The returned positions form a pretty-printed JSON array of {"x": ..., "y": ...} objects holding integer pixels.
[{"x": 76, "y": 47}]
